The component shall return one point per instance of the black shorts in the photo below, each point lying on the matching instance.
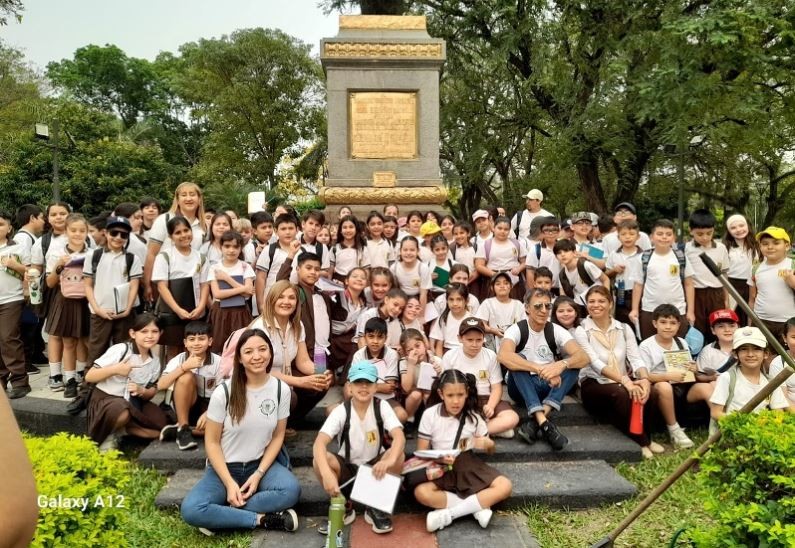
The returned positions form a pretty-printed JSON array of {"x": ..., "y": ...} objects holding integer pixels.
[
  {"x": 198, "y": 409},
  {"x": 349, "y": 470}
]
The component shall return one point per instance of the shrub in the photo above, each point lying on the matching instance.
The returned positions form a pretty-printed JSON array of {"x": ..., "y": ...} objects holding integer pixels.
[
  {"x": 70, "y": 468},
  {"x": 749, "y": 482}
]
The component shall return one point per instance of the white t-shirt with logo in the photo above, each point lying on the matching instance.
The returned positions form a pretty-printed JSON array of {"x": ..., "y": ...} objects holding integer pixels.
[
  {"x": 775, "y": 300},
  {"x": 247, "y": 440},
  {"x": 10, "y": 280},
  {"x": 440, "y": 429},
  {"x": 500, "y": 315},
  {"x": 363, "y": 434},
  {"x": 663, "y": 283},
  {"x": 744, "y": 390},
  {"x": 536, "y": 349},
  {"x": 503, "y": 256},
  {"x": 484, "y": 367}
]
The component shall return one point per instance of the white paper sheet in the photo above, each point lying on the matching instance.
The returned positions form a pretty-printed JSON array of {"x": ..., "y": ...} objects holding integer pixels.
[
  {"x": 256, "y": 202},
  {"x": 378, "y": 494},
  {"x": 436, "y": 453},
  {"x": 426, "y": 376}
]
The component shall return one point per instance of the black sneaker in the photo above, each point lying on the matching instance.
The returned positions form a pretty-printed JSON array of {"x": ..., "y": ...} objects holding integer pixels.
[
  {"x": 350, "y": 517},
  {"x": 280, "y": 521},
  {"x": 185, "y": 439},
  {"x": 80, "y": 376},
  {"x": 18, "y": 392},
  {"x": 528, "y": 431},
  {"x": 409, "y": 430},
  {"x": 70, "y": 389},
  {"x": 31, "y": 369},
  {"x": 381, "y": 521},
  {"x": 169, "y": 432},
  {"x": 55, "y": 383},
  {"x": 553, "y": 436}
]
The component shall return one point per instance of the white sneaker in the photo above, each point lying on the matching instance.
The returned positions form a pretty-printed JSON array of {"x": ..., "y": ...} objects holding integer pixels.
[
  {"x": 656, "y": 447},
  {"x": 680, "y": 439},
  {"x": 111, "y": 443},
  {"x": 508, "y": 434},
  {"x": 483, "y": 517},
  {"x": 438, "y": 519}
]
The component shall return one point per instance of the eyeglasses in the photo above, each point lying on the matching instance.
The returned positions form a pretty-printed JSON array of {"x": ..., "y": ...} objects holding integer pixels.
[
  {"x": 123, "y": 234},
  {"x": 551, "y": 230},
  {"x": 539, "y": 306},
  {"x": 582, "y": 222}
]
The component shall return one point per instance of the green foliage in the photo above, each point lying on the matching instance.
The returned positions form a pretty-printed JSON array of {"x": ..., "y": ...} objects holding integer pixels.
[
  {"x": 748, "y": 482},
  {"x": 13, "y": 8},
  {"x": 71, "y": 467}
]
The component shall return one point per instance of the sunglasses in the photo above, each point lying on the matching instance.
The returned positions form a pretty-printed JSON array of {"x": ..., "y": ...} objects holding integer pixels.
[
  {"x": 551, "y": 230},
  {"x": 123, "y": 234},
  {"x": 539, "y": 306}
]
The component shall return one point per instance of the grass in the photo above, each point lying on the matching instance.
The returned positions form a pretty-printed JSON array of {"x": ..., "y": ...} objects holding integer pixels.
[
  {"x": 148, "y": 526},
  {"x": 679, "y": 507}
]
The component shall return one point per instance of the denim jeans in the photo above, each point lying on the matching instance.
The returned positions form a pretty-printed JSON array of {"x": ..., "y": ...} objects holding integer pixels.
[
  {"x": 535, "y": 392},
  {"x": 206, "y": 505}
]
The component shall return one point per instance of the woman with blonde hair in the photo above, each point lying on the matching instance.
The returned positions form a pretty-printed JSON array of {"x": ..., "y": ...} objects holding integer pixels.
[{"x": 189, "y": 203}]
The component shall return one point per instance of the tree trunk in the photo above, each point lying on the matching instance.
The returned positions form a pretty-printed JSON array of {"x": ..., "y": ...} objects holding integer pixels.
[
  {"x": 588, "y": 172},
  {"x": 383, "y": 7}
]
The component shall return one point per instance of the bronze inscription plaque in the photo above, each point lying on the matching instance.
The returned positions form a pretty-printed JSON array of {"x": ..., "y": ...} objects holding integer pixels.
[{"x": 383, "y": 125}]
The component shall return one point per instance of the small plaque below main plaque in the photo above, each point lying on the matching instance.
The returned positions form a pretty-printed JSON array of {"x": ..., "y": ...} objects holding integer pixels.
[{"x": 384, "y": 179}]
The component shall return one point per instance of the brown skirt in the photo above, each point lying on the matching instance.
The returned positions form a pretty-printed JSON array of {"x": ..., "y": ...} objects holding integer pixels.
[
  {"x": 68, "y": 317},
  {"x": 225, "y": 321},
  {"x": 104, "y": 410},
  {"x": 342, "y": 350},
  {"x": 469, "y": 476}
]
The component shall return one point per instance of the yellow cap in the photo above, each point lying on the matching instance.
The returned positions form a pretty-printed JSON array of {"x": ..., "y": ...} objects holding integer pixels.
[
  {"x": 774, "y": 232},
  {"x": 428, "y": 228}
]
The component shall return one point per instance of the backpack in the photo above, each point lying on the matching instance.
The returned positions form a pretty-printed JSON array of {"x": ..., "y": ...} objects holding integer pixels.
[
  {"x": 565, "y": 284},
  {"x": 272, "y": 251},
  {"x": 645, "y": 258},
  {"x": 80, "y": 403},
  {"x": 549, "y": 335},
  {"x": 383, "y": 440},
  {"x": 96, "y": 256},
  {"x": 519, "y": 216},
  {"x": 487, "y": 248},
  {"x": 733, "y": 385},
  {"x": 71, "y": 280}
]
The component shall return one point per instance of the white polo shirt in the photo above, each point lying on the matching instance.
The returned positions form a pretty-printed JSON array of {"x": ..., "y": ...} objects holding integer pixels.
[
  {"x": 363, "y": 434},
  {"x": 111, "y": 272},
  {"x": 159, "y": 231},
  {"x": 440, "y": 429},
  {"x": 144, "y": 373},
  {"x": 484, "y": 367},
  {"x": 10, "y": 280}
]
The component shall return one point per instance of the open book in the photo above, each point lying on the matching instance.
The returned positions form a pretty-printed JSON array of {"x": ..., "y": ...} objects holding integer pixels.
[{"x": 676, "y": 361}]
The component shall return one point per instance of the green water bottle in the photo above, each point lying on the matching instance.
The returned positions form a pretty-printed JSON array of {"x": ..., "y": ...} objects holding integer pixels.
[{"x": 336, "y": 522}]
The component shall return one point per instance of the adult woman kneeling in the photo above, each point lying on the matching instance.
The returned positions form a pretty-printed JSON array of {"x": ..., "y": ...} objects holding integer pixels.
[
  {"x": 247, "y": 483},
  {"x": 606, "y": 385}
]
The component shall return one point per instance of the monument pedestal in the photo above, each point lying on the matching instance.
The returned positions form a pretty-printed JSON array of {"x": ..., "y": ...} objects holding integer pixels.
[{"x": 382, "y": 78}]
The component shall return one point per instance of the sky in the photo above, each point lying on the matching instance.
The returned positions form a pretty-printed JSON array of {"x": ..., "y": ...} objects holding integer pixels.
[{"x": 52, "y": 30}]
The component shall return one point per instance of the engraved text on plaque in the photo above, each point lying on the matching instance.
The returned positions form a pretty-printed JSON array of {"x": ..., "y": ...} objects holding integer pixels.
[{"x": 383, "y": 125}]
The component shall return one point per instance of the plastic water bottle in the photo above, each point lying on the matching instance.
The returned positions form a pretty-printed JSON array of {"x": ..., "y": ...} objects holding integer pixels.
[
  {"x": 320, "y": 360},
  {"x": 336, "y": 525},
  {"x": 34, "y": 287},
  {"x": 620, "y": 292}
]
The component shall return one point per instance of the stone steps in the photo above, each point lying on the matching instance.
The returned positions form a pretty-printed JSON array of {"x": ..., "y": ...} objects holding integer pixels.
[
  {"x": 566, "y": 484},
  {"x": 594, "y": 442}
]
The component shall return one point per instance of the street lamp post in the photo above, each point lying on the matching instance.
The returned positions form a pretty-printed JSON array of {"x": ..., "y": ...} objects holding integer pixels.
[{"x": 43, "y": 132}]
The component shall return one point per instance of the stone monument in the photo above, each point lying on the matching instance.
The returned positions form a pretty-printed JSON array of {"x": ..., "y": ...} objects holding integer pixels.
[{"x": 382, "y": 80}]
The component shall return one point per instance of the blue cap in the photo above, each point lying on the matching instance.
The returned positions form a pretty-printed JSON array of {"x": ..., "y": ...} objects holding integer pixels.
[{"x": 363, "y": 371}]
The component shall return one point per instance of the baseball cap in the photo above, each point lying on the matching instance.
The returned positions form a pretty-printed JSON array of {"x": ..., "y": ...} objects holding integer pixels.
[
  {"x": 723, "y": 315},
  {"x": 535, "y": 194},
  {"x": 362, "y": 371},
  {"x": 499, "y": 275},
  {"x": 470, "y": 324},
  {"x": 626, "y": 205},
  {"x": 580, "y": 216},
  {"x": 118, "y": 222},
  {"x": 480, "y": 214},
  {"x": 428, "y": 228},
  {"x": 749, "y": 335},
  {"x": 774, "y": 232}
]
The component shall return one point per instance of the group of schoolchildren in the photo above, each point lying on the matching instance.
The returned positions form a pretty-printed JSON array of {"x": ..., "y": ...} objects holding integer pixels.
[{"x": 408, "y": 314}]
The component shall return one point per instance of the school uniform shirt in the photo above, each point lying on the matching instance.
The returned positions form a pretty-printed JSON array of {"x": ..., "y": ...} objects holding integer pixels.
[
  {"x": 381, "y": 253},
  {"x": 484, "y": 367},
  {"x": 500, "y": 315},
  {"x": 212, "y": 256},
  {"x": 775, "y": 301},
  {"x": 411, "y": 280},
  {"x": 10, "y": 280},
  {"x": 26, "y": 240},
  {"x": 652, "y": 353},
  {"x": 776, "y": 366},
  {"x": 393, "y": 328},
  {"x": 264, "y": 264},
  {"x": 246, "y": 440},
  {"x": 37, "y": 251},
  {"x": 538, "y": 256},
  {"x": 440, "y": 428},
  {"x": 322, "y": 324},
  {"x": 478, "y": 240},
  {"x": 440, "y": 303},
  {"x": 352, "y": 312},
  {"x": 363, "y": 434},
  {"x": 313, "y": 247},
  {"x": 744, "y": 390},
  {"x": 712, "y": 358},
  {"x": 630, "y": 262},
  {"x": 503, "y": 256},
  {"x": 426, "y": 254},
  {"x": 240, "y": 268},
  {"x": 207, "y": 376},
  {"x": 525, "y": 218},
  {"x": 663, "y": 284},
  {"x": 625, "y": 350},
  {"x": 111, "y": 272},
  {"x": 386, "y": 364},
  {"x": 465, "y": 256},
  {"x": 536, "y": 349},
  {"x": 159, "y": 231},
  {"x": 702, "y": 277},
  {"x": 611, "y": 243},
  {"x": 578, "y": 284},
  {"x": 447, "y": 331},
  {"x": 250, "y": 253},
  {"x": 285, "y": 345},
  {"x": 177, "y": 267},
  {"x": 345, "y": 259},
  {"x": 144, "y": 372},
  {"x": 740, "y": 263},
  {"x": 137, "y": 248}
]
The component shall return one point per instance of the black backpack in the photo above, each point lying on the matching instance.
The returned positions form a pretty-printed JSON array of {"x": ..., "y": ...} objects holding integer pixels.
[
  {"x": 383, "y": 440},
  {"x": 97, "y": 256},
  {"x": 549, "y": 335},
  {"x": 565, "y": 283}
]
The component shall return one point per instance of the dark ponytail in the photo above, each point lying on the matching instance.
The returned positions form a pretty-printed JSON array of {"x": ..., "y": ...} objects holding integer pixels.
[{"x": 454, "y": 376}]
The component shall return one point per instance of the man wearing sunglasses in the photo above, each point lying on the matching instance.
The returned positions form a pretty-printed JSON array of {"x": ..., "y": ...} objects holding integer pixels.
[
  {"x": 543, "y": 362},
  {"x": 112, "y": 275}
]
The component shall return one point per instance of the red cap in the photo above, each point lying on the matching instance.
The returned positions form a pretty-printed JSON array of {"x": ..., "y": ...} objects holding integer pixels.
[{"x": 723, "y": 315}]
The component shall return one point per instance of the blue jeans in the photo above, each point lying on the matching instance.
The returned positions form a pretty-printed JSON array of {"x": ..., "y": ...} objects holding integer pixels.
[
  {"x": 529, "y": 389},
  {"x": 206, "y": 505}
]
